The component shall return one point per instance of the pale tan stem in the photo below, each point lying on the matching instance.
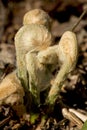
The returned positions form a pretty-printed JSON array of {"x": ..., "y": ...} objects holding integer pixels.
[
  {"x": 58, "y": 82},
  {"x": 33, "y": 71},
  {"x": 27, "y": 39},
  {"x": 80, "y": 18},
  {"x": 39, "y": 75},
  {"x": 21, "y": 68},
  {"x": 67, "y": 52}
]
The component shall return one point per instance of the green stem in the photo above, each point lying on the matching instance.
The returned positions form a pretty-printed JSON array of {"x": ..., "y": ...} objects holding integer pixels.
[
  {"x": 21, "y": 68},
  {"x": 55, "y": 89}
]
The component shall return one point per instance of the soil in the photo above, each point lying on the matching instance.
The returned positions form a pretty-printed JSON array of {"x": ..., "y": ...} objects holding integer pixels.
[{"x": 64, "y": 15}]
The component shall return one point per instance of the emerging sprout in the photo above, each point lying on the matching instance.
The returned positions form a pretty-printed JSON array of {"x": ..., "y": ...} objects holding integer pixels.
[
  {"x": 28, "y": 38},
  {"x": 33, "y": 37},
  {"x": 37, "y": 16},
  {"x": 34, "y": 54},
  {"x": 67, "y": 51}
]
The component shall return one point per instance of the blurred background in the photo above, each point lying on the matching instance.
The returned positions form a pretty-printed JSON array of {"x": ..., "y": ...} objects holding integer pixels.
[{"x": 64, "y": 14}]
